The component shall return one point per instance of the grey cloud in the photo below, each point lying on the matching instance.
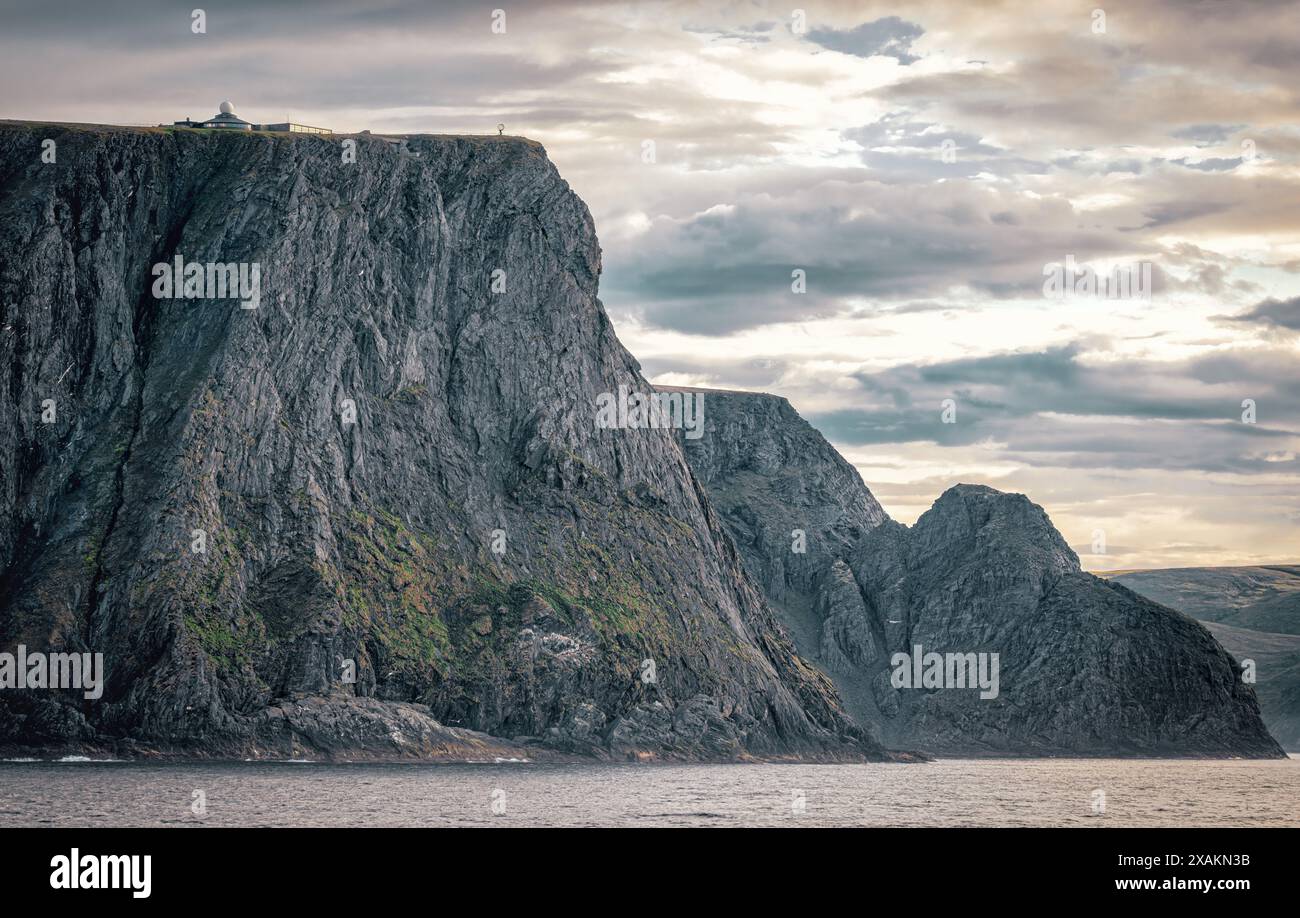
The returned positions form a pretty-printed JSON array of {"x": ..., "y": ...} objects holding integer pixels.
[
  {"x": 1206, "y": 134},
  {"x": 1274, "y": 313},
  {"x": 898, "y": 130},
  {"x": 1058, "y": 88},
  {"x": 1086, "y": 165},
  {"x": 1042, "y": 406},
  {"x": 916, "y": 147},
  {"x": 1084, "y": 549},
  {"x": 1167, "y": 213},
  {"x": 1214, "y": 164},
  {"x": 914, "y": 167},
  {"x": 759, "y": 374},
  {"x": 890, "y": 36},
  {"x": 759, "y": 33},
  {"x": 730, "y": 268}
]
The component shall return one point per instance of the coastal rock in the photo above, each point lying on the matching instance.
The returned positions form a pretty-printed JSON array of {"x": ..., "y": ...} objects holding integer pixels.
[
  {"x": 375, "y": 509},
  {"x": 1085, "y": 667},
  {"x": 1254, "y": 612}
]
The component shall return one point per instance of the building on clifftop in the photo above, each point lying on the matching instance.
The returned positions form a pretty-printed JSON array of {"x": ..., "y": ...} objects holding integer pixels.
[{"x": 227, "y": 120}]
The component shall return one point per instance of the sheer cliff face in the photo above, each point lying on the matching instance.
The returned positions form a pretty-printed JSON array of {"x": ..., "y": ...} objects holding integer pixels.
[
  {"x": 1084, "y": 666},
  {"x": 409, "y": 523}
]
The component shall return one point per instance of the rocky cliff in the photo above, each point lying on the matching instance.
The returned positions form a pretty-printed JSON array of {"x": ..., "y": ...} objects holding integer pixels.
[
  {"x": 1085, "y": 667},
  {"x": 372, "y": 515},
  {"x": 1254, "y": 612}
]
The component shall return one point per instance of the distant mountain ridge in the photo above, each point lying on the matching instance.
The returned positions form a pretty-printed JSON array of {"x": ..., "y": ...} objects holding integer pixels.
[{"x": 1258, "y": 598}]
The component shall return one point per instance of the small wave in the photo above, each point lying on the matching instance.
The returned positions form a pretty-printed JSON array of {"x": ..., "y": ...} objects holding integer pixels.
[
  {"x": 510, "y": 761},
  {"x": 82, "y": 758},
  {"x": 20, "y": 760}
]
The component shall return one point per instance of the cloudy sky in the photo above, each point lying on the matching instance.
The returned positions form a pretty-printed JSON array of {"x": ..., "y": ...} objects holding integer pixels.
[{"x": 920, "y": 163}]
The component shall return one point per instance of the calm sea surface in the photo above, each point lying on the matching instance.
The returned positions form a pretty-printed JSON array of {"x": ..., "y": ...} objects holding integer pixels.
[{"x": 951, "y": 792}]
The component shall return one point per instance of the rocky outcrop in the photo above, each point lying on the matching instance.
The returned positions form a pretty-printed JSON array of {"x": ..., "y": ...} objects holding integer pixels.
[
  {"x": 1085, "y": 667},
  {"x": 1254, "y": 612},
  {"x": 373, "y": 515}
]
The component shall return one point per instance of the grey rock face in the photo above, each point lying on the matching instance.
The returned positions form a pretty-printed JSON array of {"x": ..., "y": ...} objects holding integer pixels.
[
  {"x": 847, "y": 638},
  {"x": 1254, "y": 612},
  {"x": 1276, "y": 659},
  {"x": 1086, "y": 667},
  {"x": 468, "y": 545}
]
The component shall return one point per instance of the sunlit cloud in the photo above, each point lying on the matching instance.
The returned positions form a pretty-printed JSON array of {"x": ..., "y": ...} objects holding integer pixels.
[{"x": 919, "y": 170}]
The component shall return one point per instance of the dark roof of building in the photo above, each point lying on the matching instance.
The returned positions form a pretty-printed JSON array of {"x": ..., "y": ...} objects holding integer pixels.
[{"x": 226, "y": 118}]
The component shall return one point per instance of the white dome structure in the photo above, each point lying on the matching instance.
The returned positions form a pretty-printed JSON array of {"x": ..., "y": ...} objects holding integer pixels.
[{"x": 227, "y": 119}]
